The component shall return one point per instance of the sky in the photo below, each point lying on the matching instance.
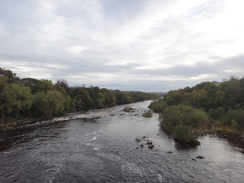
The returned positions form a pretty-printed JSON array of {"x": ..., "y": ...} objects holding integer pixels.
[{"x": 130, "y": 45}]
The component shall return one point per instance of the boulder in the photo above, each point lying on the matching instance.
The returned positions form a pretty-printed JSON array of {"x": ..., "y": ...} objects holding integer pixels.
[
  {"x": 200, "y": 157},
  {"x": 150, "y": 146},
  {"x": 169, "y": 152},
  {"x": 138, "y": 140}
]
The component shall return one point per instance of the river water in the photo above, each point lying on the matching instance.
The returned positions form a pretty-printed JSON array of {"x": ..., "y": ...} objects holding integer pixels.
[{"x": 105, "y": 150}]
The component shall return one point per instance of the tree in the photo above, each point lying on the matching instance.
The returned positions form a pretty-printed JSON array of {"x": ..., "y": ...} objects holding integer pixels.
[
  {"x": 109, "y": 99},
  {"x": 122, "y": 97},
  {"x": 11, "y": 77},
  {"x": 173, "y": 97},
  {"x": 100, "y": 101},
  {"x": 38, "y": 85},
  {"x": 15, "y": 100},
  {"x": 48, "y": 104},
  {"x": 64, "y": 84},
  {"x": 82, "y": 99},
  {"x": 3, "y": 82}
]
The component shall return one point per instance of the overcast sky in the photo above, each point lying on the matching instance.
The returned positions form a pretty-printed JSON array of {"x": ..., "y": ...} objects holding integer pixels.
[{"x": 146, "y": 45}]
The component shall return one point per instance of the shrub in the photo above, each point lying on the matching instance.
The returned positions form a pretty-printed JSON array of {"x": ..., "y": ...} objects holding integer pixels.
[
  {"x": 158, "y": 106},
  {"x": 199, "y": 117},
  {"x": 234, "y": 118},
  {"x": 217, "y": 113},
  {"x": 185, "y": 134},
  {"x": 183, "y": 115}
]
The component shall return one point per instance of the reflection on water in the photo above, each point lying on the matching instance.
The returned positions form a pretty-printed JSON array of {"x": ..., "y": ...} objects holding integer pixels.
[{"x": 105, "y": 150}]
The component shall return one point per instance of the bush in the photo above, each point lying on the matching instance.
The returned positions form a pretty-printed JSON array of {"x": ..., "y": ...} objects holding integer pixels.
[
  {"x": 217, "y": 113},
  {"x": 234, "y": 118},
  {"x": 199, "y": 117},
  {"x": 185, "y": 134},
  {"x": 158, "y": 106},
  {"x": 183, "y": 115}
]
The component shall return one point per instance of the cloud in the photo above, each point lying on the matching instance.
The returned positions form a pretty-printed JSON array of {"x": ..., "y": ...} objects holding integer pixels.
[{"x": 147, "y": 45}]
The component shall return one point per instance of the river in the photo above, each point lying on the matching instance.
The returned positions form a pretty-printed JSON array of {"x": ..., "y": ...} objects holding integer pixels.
[{"x": 105, "y": 150}]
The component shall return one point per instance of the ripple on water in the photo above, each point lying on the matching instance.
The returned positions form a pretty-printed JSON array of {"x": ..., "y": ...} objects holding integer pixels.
[{"x": 129, "y": 169}]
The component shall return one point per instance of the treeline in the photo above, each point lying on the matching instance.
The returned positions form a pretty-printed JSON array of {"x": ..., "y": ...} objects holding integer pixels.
[
  {"x": 29, "y": 98},
  {"x": 208, "y": 105}
]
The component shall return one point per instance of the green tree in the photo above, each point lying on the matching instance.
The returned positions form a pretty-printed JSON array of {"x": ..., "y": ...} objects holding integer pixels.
[
  {"x": 122, "y": 97},
  {"x": 15, "y": 100},
  {"x": 158, "y": 106},
  {"x": 3, "y": 82},
  {"x": 63, "y": 84},
  {"x": 11, "y": 77},
  {"x": 100, "y": 101},
  {"x": 38, "y": 85},
  {"x": 108, "y": 97},
  {"x": 173, "y": 97},
  {"x": 48, "y": 104},
  {"x": 82, "y": 99}
]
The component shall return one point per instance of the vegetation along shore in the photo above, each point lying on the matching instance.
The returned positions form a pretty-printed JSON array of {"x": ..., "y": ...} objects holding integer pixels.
[
  {"x": 208, "y": 107},
  {"x": 27, "y": 100}
]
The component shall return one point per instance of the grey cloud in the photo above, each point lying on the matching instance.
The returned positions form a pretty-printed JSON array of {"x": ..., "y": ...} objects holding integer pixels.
[{"x": 115, "y": 38}]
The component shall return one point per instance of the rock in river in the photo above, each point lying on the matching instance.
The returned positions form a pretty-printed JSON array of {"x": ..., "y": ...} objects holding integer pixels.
[
  {"x": 138, "y": 140},
  {"x": 150, "y": 146},
  {"x": 200, "y": 157}
]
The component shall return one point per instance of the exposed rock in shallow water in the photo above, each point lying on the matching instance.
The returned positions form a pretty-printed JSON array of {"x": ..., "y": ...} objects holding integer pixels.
[
  {"x": 200, "y": 157},
  {"x": 128, "y": 109},
  {"x": 138, "y": 140},
  {"x": 192, "y": 143},
  {"x": 150, "y": 146}
]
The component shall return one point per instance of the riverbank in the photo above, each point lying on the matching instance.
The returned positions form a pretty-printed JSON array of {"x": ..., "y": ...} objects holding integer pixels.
[
  {"x": 91, "y": 114},
  {"x": 186, "y": 123},
  {"x": 226, "y": 132},
  {"x": 88, "y": 114}
]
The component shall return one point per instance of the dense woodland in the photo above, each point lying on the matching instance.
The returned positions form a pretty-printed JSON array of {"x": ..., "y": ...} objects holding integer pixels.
[
  {"x": 28, "y": 99},
  {"x": 208, "y": 106}
]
